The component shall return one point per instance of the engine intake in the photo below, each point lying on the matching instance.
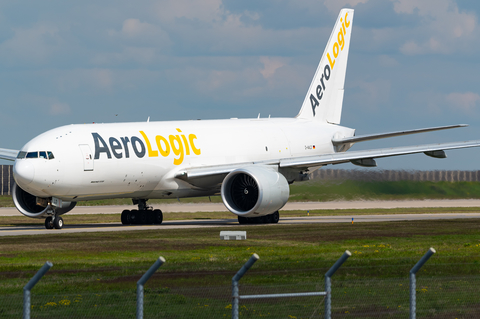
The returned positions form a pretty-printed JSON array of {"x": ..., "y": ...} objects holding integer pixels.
[
  {"x": 26, "y": 204},
  {"x": 254, "y": 191}
]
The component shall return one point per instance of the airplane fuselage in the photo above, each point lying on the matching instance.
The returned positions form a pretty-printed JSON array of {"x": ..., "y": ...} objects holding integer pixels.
[{"x": 140, "y": 160}]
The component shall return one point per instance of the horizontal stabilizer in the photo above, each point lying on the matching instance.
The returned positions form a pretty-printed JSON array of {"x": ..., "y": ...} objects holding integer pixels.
[
  {"x": 363, "y": 138},
  {"x": 9, "y": 155}
]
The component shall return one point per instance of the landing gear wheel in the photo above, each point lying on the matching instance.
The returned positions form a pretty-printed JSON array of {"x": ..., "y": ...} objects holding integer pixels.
[
  {"x": 125, "y": 217},
  {"x": 48, "y": 223},
  {"x": 263, "y": 220},
  {"x": 132, "y": 217},
  {"x": 150, "y": 217},
  {"x": 158, "y": 215},
  {"x": 242, "y": 220},
  {"x": 275, "y": 217},
  {"x": 270, "y": 219},
  {"x": 142, "y": 217},
  {"x": 58, "y": 222}
]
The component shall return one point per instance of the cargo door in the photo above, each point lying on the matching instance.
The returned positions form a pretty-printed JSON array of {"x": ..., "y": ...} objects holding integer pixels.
[{"x": 87, "y": 157}]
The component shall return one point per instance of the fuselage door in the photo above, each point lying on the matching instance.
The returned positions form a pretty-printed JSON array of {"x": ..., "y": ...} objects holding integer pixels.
[{"x": 87, "y": 157}]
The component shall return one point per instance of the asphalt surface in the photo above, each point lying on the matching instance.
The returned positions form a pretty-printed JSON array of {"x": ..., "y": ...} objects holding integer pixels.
[
  {"x": 232, "y": 223},
  {"x": 219, "y": 207}
]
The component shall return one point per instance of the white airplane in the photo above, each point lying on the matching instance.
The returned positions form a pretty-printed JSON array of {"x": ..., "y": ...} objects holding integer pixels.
[{"x": 250, "y": 162}]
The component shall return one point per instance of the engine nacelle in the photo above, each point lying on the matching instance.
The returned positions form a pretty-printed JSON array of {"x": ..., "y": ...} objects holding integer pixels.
[
  {"x": 26, "y": 204},
  {"x": 254, "y": 191}
]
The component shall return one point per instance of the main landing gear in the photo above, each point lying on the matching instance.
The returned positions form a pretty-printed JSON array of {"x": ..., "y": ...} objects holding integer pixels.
[
  {"x": 267, "y": 219},
  {"x": 145, "y": 215}
]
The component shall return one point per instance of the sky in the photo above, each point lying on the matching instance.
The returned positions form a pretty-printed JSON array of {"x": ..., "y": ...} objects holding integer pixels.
[{"x": 412, "y": 64}]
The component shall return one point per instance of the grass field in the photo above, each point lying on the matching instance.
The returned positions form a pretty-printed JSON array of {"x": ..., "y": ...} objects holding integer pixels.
[{"x": 94, "y": 274}]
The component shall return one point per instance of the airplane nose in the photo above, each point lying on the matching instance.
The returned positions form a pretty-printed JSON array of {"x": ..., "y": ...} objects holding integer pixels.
[{"x": 23, "y": 172}]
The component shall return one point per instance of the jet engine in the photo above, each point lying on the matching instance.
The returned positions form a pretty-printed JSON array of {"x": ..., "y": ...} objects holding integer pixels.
[
  {"x": 26, "y": 203},
  {"x": 254, "y": 191}
]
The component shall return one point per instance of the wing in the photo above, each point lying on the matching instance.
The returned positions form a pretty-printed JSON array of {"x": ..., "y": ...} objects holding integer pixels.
[
  {"x": 9, "y": 155},
  {"x": 213, "y": 175},
  {"x": 434, "y": 150}
]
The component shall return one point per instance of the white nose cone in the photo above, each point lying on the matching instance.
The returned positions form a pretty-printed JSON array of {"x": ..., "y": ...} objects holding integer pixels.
[{"x": 23, "y": 172}]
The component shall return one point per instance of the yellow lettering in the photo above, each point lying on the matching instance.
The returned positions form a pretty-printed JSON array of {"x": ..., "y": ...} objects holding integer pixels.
[
  {"x": 335, "y": 50},
  {"x": 164, "y": 151},
  {"x": 341, "y": 40},
  {"x": 177, "y": 149},
  {"x": 185, "y": 142},
  {"x": 151, "y": 153},
  {"x": 347, "y": 23},
  {"x": 330, "y": 61},
  {"x": 195, "y": 150}
]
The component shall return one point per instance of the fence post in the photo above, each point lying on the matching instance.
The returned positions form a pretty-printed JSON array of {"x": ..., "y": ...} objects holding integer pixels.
[
  {"x": 142, "y": 282},
  {"x": 235, "y": 279},
  {"x": 328, "y": 283},
  {"x": 30, "y": 285},
  {"x": 413, "y": 282}
]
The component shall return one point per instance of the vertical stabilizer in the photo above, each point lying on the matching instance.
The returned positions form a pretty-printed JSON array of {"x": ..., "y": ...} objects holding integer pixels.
[{"x": 325, "y": 96}]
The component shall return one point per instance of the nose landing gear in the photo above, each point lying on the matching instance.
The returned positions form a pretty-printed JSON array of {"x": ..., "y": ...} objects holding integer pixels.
[
  {"x": 145, "y": 215},
  {"x": 54, "y": 221}
]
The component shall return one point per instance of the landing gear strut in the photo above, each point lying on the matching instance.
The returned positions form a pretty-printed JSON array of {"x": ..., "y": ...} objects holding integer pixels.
[
  {"x": 267, "y": 219},
  {"x": 145, "y": 214}
]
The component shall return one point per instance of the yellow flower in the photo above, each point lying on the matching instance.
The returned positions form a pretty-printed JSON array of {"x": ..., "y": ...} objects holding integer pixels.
[{"x": 64, "y": 302}]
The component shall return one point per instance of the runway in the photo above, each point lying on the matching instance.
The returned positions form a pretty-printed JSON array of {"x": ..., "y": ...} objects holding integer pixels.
[
  {"x": 219, "y": 207},
  {"x": 224, "y": 223}
]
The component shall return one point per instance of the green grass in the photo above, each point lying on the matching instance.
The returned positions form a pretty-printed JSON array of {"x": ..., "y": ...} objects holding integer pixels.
[
  {"x": 197, "y": 275},
  {"x": 316, "y": 190}
]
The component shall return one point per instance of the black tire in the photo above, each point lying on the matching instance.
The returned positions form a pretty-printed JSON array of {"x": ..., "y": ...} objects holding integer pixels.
[
  {"x": 58, "y": 222},
  {"x": 276, "y": 217},
  {"x": 270, "y": 219},
  {"x": 242, "y": 220},
  {"x": 48, "y": 223},
  {"x": 150, "y": 217},
  {"x": 124, "y": 217},
  {"x": 158, "y": 216},
  {"x": 132, "y": 216},
  {"x": 142, "y": 217},
  {"x": 263, "y": 219}
]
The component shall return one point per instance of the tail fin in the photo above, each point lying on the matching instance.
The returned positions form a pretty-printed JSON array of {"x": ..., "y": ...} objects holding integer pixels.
[{"x": 325, "y": 96}]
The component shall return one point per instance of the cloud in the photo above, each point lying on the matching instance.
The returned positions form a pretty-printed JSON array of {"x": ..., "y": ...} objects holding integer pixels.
[
  {"x": 58, "y": 108},
  {"x": 270, "y": 65},
  {"x": 334, "y": 6},
  {"x": 387, "y": 61},
  {"x": 466, "y": 102},
  {"x": 444, "y": 28},
  {"x": 372, "y": 93},
  {"x": 31, "y": 45}
]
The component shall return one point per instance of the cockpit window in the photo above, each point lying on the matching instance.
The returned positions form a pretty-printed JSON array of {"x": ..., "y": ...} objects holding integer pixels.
[{"x": 48, "y": 155}]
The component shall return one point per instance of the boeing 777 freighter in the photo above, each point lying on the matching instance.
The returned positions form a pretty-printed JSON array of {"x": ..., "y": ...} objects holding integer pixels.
[{"x": 249, "y": 162}]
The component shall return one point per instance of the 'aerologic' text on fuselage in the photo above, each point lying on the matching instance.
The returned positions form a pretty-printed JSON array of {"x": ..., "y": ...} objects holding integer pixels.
[{"x": 178, "y": 146}]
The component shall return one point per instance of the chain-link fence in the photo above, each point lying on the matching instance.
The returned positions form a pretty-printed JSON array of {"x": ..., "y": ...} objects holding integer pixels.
[{"x": 449, "y": 297}]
